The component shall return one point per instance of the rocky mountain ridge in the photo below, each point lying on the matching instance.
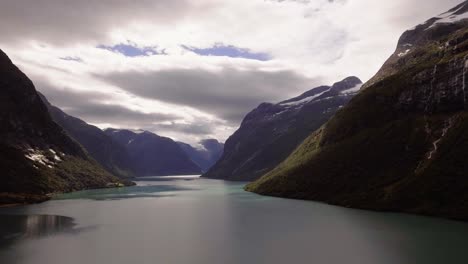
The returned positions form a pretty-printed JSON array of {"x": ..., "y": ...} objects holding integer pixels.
[
  {"x": 269, "y": 133},
  {"x": 110, "y": 154}
]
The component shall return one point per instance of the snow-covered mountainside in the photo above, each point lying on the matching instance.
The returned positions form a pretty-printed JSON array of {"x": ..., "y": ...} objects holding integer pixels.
[
  {"x": 269, "y": 133},
  {"x": 452, "y": 16}
]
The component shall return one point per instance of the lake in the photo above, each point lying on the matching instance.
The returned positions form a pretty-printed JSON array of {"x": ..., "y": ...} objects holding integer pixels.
[{"x": 199, "y": 221}]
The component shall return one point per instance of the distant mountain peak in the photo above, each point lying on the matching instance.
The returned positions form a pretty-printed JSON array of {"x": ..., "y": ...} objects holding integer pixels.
[
  {"x": 270, "y": 132},
  {"x": 430, "y": 32},
  {"x": 347, "y": 86},
  {"x": 153, "y": 155},
  {"x": 458, "y": 13},
  {"x": 452, "y": 16},
  {"x": 205, "y": 154}
]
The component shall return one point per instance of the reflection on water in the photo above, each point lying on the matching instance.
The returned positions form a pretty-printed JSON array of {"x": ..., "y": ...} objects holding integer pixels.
[
  {"x": 18, "y": 227},
  {"x": 142, "y": 191},
  {"x": 167, "y": 178},
  {"x": 201, "y": 221}
]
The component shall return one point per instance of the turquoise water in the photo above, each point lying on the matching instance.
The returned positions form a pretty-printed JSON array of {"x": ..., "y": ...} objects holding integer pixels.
[{"x": 199, "y": 221}]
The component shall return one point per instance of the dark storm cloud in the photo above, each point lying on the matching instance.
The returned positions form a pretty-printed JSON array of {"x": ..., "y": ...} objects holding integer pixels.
[
  {"x": 89, "y": 106},
  {"x": 228, "y": 94},
  {"x": 68, "y": 21},
  {"x": 95, "y": 112}
]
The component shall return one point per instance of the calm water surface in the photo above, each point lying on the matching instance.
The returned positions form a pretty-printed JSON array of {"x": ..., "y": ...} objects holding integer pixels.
[{"x": 198, "y": 221}]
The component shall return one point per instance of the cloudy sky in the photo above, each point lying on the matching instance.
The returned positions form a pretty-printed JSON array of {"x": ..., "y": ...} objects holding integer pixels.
[{"x": 191, "y": 69}]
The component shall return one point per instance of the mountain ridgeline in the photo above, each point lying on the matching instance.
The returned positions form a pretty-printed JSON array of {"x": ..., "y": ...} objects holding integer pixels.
[
  {"x": 37, "y": 157},
  {"x": 149, "y": 155},
  {"x": 153, "y": 155},
  {"x": 401, "y": 144},
  {"x": 269, "y": 133},
  {"x": 103, "y": 148}
]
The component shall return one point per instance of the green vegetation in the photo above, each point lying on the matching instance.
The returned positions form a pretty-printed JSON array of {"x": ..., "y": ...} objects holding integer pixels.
[
  {"x": 399, "y": 145},
  {"x": 37, "y": 157},
  {"x": 271, "y": 132}
]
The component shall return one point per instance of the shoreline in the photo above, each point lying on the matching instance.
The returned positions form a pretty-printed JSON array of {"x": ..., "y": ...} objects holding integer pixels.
[{"x": 9, "y": 199}]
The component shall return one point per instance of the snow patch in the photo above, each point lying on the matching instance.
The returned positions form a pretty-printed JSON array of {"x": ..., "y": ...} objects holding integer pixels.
[
  {"x": 281, "y": 112},
  {"x": 37, "y": 156},
  {"x": 138, "y": 131},
  {"x": 402, "y": 54},
  {"x": 449, "y": 18},
  {"x": 305, "y": 100},
  {"x": 56, "y": 157}
]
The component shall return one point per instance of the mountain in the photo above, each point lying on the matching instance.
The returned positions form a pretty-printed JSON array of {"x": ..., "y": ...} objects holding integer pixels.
[
  {"x": 401, "y": 144},
  {"x": 271, "y": 132},
  {"x": 37, "y": 157},
  {"x": 204, "y": 157},
  {"x": 152, "y": 155},
  {"x": 110, "y": 154}
]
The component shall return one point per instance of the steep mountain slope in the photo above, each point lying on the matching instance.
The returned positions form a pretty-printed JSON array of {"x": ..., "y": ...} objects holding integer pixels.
[
  {"x": 110, "y": 154},
  {"x": 204, "y": 157},
  {"x": 36, "y": 156},
  {"x": 152, "y": 155},
  {"x": 401, "y": 144},
  {"x": 271, "y": 132}
]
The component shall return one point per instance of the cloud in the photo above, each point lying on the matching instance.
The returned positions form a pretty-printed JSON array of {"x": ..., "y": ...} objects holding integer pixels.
[
  {"x": 229, "y": 93},
  {"x": 91, "y": 106},
  {"x": 200, "y": 128},
  {"x": 221, "y": 58},
  {"x": 63, "y": 22},
  {"x": 96, "y": 113}
]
